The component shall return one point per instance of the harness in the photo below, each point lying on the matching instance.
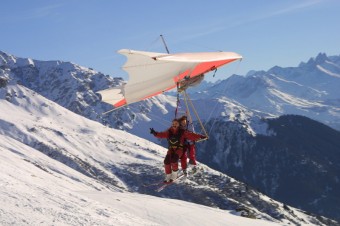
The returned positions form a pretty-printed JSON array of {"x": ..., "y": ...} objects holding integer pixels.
[{"x": 174, "y": 140}]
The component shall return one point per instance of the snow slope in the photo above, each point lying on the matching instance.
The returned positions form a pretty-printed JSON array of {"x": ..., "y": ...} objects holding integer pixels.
[
  {"x": 58, "y": 168},
  {"x": 36, "y": 190}
]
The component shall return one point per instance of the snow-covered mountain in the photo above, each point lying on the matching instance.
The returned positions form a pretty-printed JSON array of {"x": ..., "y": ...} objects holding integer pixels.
[
  {"x": 298, "y": 164},
  {"x": 311, "y": 89},
  {"x": 233, "y": 110},
  {"x": 60, "y": 168},
  {"x": 74, "y": 87}
]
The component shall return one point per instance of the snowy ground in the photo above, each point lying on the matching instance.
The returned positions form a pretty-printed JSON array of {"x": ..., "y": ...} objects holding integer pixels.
[{"x": 38, "y": 190}]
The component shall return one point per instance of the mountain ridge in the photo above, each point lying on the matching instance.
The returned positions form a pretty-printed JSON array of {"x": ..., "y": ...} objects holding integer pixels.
[
  {"x": 299, "y": 157},
  {"x": 113, "y": 160},
  {"x": 246, "y": 117},
  {"x": 311, "y": 89}
]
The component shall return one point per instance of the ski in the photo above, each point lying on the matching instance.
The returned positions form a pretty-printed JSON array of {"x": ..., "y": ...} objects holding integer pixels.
[
  {"x": 167, "y": 184},
  {"x": 164, "y": 185},
  {"x": 158, "y": 182}
]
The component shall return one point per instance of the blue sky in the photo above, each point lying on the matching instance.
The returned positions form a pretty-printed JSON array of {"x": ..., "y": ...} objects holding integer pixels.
[{"x": 89, "y": 32}]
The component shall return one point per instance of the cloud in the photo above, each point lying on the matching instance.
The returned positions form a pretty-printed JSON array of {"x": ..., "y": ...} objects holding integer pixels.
[
  {"x": 218, "y": 27},
  {"x": 44, "y": 11},
  {"x": 17, "y": 15},
  {"x": 293, "y": 8}
]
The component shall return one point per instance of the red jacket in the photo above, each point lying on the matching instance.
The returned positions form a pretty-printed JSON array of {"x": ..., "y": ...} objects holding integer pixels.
[{"x": 185, "y": 135}]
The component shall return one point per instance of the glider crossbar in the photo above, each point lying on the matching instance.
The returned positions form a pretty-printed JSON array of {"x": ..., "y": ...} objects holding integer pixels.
[{"x": 188, "y": 102}]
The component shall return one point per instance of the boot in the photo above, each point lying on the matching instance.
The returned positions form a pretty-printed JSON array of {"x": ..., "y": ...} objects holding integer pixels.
[
  {"x": 194, "y": 169},
  {"x": 185, "y": 172},
  {"x": 174, "y": 175},
  {"x": 167, "y": 178}
]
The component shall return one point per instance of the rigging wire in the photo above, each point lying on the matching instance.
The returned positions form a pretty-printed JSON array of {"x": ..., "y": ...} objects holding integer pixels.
[
  {"x": 153, "y": 43},
  {"x": 188, "y": 112},
  {"x": 198, "y": 118},
  {"x": 177, "y": 101},
  {"x": 188, "y": 105}
]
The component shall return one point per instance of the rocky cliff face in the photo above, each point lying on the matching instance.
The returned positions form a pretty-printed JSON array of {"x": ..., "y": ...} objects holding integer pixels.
[
  {"x": 298, "y": 164},
  {"x": 67, "y": 84}
]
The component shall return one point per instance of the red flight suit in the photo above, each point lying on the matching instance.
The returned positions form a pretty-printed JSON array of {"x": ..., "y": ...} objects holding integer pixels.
[{"x": 176, "y": 138}]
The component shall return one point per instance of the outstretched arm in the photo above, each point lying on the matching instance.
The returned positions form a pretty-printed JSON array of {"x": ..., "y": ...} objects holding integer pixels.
[
  {"x": 164, "y": 134},
  {"x": 193, "y": 136}
]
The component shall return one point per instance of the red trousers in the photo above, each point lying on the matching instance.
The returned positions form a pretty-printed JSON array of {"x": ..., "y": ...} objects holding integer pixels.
[
  {"x": 171, "y": 160},
  {"x": 192, "y": 156}
]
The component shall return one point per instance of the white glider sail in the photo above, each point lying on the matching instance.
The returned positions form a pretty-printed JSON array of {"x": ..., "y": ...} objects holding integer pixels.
[{"x": 152, "y": 73}]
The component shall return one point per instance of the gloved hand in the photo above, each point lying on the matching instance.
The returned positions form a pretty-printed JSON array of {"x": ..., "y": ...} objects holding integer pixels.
[
  {"x": 152, "y": 131},
  {"x": 203, "y": 137}
]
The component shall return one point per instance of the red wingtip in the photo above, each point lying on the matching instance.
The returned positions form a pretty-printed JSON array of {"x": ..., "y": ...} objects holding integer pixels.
[{"x": 120, "y": 103}]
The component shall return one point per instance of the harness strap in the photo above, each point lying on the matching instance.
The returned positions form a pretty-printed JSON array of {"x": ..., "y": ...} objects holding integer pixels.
[
  {"x": 174, "y": 140},
  {"x": 175, "y": 147}
]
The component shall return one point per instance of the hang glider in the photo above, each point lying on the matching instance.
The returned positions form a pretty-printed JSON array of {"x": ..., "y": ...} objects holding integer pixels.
[{"x": 153, "y": 73}]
